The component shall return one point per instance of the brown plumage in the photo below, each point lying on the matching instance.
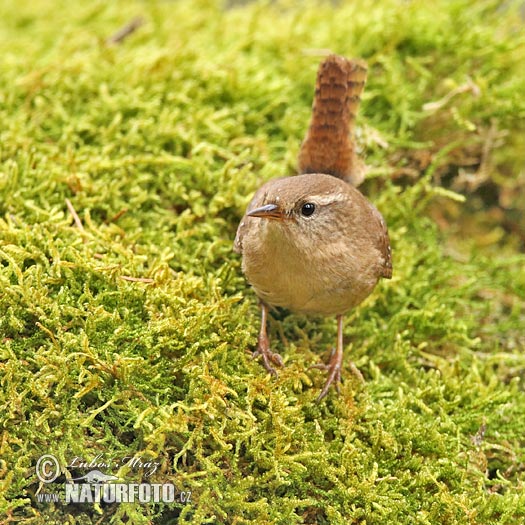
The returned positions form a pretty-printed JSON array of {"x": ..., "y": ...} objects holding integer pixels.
[
  {"x": 322, "y": 264},
  {"x": 313, "y": 243}
]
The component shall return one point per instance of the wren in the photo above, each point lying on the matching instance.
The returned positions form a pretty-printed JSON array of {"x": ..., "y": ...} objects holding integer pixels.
[{"x": 312, "y": 243}]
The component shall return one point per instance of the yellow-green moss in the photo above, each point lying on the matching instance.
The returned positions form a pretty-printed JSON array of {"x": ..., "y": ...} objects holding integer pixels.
[{"x": 158, "y": 144}]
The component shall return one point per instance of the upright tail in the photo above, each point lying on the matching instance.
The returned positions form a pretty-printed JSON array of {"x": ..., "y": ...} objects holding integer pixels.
[{"x": 329, "y": 146}]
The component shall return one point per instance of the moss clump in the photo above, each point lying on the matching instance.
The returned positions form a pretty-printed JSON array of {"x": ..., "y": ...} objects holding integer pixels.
[{"x": 127, "y": 337}]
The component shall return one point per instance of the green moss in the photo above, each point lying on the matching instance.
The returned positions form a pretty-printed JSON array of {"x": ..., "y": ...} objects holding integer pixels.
[{"x": 158, "y": 143}]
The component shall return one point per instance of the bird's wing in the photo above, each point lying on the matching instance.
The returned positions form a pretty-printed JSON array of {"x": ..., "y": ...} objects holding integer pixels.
[
  {"x": 383, "y": 244},
  {"x": 237, "y": 243}
]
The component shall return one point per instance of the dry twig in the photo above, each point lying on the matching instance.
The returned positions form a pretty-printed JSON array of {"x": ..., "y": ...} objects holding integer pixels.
[
  {"x": 76, "y": 218},
  {"x": 126, "y": 30},
  {"x": 137, "y": 279}
]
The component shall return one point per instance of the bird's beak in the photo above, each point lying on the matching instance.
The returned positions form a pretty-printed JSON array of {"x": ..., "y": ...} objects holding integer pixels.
[{"x": 269, "y": 211}]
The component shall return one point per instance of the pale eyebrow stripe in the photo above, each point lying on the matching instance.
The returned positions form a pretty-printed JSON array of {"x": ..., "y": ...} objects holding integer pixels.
[{"x": 327, "y": 199}]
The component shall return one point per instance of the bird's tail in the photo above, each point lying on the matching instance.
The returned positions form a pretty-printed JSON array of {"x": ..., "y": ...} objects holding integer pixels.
[{"x": 329, "y": 146}]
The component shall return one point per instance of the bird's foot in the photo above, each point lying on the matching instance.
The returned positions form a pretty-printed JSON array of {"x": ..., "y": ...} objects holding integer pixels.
[
  {"x": 334, "y": 373},
  {"x": 268, "y": 357}
]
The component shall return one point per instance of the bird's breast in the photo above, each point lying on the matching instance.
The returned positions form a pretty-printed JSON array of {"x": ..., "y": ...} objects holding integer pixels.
[{"x": 303, "y": 278}]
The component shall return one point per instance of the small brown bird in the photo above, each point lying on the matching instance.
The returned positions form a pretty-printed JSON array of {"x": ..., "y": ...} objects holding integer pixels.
[{"x": 312, "y": 243}]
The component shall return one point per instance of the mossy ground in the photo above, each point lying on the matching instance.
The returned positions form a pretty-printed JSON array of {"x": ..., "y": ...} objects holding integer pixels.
[{"x": 158, "y": 142}]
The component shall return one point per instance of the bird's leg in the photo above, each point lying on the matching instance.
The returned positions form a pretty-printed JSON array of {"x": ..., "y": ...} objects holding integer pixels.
[
  {"x": 263, "y": 345},
  {"x": 335, "y": 364}
]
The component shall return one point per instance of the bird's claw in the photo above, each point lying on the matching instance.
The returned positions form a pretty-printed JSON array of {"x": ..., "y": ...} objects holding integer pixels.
[
  {"x": 334, "y": 377},
  {"x": 268, "y": 357}
]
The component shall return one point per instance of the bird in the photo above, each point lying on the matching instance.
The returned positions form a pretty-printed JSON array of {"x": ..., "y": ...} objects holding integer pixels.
[{"x": 311, "y": 242}]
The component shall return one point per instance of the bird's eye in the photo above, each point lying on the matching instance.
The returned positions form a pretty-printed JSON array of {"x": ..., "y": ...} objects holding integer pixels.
[{"x": 307, "y": 209}]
